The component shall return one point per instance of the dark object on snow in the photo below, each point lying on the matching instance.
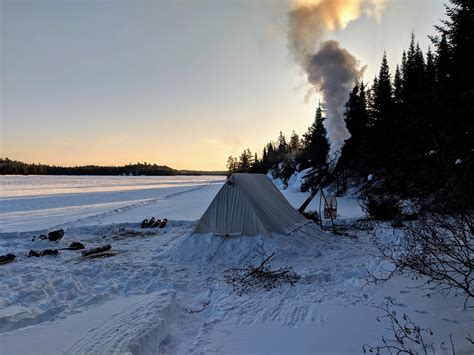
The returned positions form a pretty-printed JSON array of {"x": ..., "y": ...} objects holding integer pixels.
[
  {"x": 43, "y": 253},
  {"x": 312, "y": 216},
  {"x": 163, "y": 223},
  {"x": 382, "y": 208},
  {"x": 55, "y": 236},
  {"x": 4, "y": 259},
  {"x": 96, "y": 250},
  {"x": 76, "y": 246},
  {"x": 151, "y": 222},
  {"x": 49, "y": 252},
  {"x": 33, "y": 253},
  {"x": 102, "y": 255}
]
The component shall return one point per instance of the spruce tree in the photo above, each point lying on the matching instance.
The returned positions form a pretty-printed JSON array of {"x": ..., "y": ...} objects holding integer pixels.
[
  {"x": 419, "y": 68},
  {"x": 458, "y": 30},
  {"x": 356, "y": 123},
  {"x": 443, "y": 61},
  {"x": 430, "y": 70},
  {"x": 282, "y": 146},
  {"x": 383, "y": 92},
  {"x": 294, "y": 145},
  {"x": 315, "y": 146},
  {"x": 397, "y": 86}
]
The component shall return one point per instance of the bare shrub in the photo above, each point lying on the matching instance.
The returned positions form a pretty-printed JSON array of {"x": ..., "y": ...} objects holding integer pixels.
[
  {"x": 409, "y": 337},
  {"x": 440, "y": 248}
]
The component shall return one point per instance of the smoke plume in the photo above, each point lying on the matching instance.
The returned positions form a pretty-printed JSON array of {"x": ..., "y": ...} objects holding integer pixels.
[{"x": 331, "y": 69}]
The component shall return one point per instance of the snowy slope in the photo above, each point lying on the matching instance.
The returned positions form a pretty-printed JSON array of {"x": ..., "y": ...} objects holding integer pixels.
[{"x": 164, "y": 291}]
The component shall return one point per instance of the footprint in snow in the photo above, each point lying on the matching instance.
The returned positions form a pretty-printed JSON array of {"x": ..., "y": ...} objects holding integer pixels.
[
  {"x": 421, "y": 312},
  {"x": 451, "y": 320}
]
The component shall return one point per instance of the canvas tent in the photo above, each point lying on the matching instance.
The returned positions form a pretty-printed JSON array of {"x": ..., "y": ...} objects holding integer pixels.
[{"x": 249, "y": 204}]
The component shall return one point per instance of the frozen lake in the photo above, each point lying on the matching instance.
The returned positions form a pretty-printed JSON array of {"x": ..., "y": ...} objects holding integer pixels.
[{"x": 38, "y": 202}]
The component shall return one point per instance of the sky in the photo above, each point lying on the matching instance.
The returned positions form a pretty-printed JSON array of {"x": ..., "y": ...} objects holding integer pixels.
[{"x": 181, "y": 83}]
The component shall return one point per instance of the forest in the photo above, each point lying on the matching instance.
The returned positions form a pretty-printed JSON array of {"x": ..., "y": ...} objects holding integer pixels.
[{"x": 411, "y": 128}]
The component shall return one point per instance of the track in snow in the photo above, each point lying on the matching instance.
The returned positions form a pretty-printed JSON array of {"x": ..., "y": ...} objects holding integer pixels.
[
  {"x": 127, "y": 208},
  {"x": 138, "y": 326}
]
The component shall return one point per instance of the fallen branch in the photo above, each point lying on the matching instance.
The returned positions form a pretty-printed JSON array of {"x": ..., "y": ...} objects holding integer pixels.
[{"x": 96, "y": 250}]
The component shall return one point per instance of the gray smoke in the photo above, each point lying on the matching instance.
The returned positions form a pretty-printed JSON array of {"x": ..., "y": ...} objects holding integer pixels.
[
  {"x": 333, "y": 70},
  {"x": 330, "y": 69}
]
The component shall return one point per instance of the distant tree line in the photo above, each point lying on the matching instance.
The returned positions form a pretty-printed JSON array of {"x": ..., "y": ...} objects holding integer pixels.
[
  {"x": 412, "y": 128},
  {"x": 8, "y": 166},
  {"x": 12, "y": 167}
]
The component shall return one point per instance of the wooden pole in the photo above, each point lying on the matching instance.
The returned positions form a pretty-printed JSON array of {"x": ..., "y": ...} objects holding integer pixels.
[{"x": 311, "y": 196}]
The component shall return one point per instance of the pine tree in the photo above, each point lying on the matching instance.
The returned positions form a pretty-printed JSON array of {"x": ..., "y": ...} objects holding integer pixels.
[
  {"x": 409, "y": 77},
  {"x": 419, "y": 68},
  {"x": 315, "y": 146},
  {"x": 231, "y": 164},
  {"x": 294, "y": 145},
  {"x": 264, "y": 163},
  {"x": 256, "y": 165},
  {"x": 397, "y": 86},
  {"x": 356, "y": 123},
  {"x": 245, "y": 161},
  {"x": 382, "y": 100},
  {"x": 404, "y": 66},
  {"x": 282, "y": 146},
  {"x": 458, "y": 32},
  {"x": 443, "y": 61},
  {"x": 430, "y": 70},
  {"x": 271, "y": 156},
  {"x": 371, "y": 102}
]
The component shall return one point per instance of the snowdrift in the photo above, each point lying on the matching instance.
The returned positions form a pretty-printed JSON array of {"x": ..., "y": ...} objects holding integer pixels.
[{"x": 207, "y": 249}]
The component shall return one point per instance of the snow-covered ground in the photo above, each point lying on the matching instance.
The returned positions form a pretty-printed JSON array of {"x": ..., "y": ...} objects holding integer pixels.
[
  {"x": 164, "y": 291},
  {"x": 37, "y": 202}
]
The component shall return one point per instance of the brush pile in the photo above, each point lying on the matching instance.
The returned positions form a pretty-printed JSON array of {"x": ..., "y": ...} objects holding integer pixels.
[{"x": 249, "y": 278}]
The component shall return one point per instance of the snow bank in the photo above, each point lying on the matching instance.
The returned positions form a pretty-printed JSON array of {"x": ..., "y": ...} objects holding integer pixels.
[
  {"x": 294, "y": 182},
  {"x": 229, "y": 251}
]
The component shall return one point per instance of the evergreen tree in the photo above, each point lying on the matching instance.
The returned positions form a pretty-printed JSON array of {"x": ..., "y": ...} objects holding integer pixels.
[
  {"x": 397, "y": 86},
  {"x": 282, "y": 146},
  {"x": 430, "y": 70},
  {"x": 443, "y": 61},
  {"x": 245, "y": 161},
  {"x": 256, "y": 165},
  {"x": 458, "y": 30},
  {"x": 315, "y": 146},
  {"x": 294, "y": 145},
  {"x": 231, "y": 164},
  {"x": 409, "y": 78},
  {"x": 382, "y": 99},
  {"x": 404, "y": 67},
  {"x": 356, "y": 123},
  {"x": 419, "y": 63}
]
